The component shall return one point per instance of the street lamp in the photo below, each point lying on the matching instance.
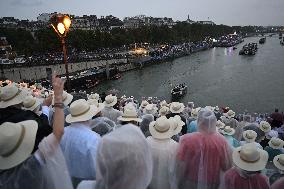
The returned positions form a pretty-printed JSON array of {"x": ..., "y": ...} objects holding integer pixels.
[{"x": 61, "y": 24}]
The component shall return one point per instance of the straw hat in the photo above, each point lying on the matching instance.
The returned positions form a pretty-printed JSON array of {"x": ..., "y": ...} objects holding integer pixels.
[
  {"x": 164, "y": 110},
  {"x": 80, "y": 110},
  {"x": 66, "y": 98},
  {"x": 150, "y": 109},
  {"x": 176, "y": 107},
  {"x": 194, "y": 112},
  {"x": 163, "y": 103},
  {"x": 95, "y": 96},
  {"x": 230, "y": 114},
  {"x": 278, "y": 161},
  {"x": 110, "y": 101},
  {"x": 16, "y": 142},
  {"x": 276, "y": 143},
  {"x": 129, "y": 114},
  {"x": 30, "y": 103},
  {"x": 249, "y": 135},
  {"x": 144, "y": 103},
  {"x": 228, "y": 131},
  {"x": 265, "y": 126},
  {"x": 177, "y": 124},
  {"x": 11, "y": 95},
  {"x": 161, "y": 128},
  {"x": 95, "y": 102},
  {"x": 220, "y": 124},
  {"x": 250, "y": 158}
]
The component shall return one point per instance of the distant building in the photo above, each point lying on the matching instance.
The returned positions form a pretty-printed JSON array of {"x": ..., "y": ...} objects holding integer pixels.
[
  {"x": 189, "y": 21},
  {"x": 5, "y": 48},
  {"x": 143, "y": 20},
  {"x": 45, "y": 17},
  {"x": 206, "y": 22}
]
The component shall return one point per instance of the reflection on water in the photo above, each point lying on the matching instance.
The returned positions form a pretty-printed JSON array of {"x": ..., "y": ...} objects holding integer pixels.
[{"x": 218, "y": 76}]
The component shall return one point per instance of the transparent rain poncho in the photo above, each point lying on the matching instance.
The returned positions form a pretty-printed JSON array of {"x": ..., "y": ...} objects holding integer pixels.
[
  {"x": 163, "y": 152},
  {"x": 144, "y": 125},
  {"x": 111, "y": 113},
  {"x": 124, "y": 160},
  {"x": 102, "y": 125},
  {"x": 236, "y": 178},
  {"x": 202, "y": 156},
  {"x": 46, "y": 169}
]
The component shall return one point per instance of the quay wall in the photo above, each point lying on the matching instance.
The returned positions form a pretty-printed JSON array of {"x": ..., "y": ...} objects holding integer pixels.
[{"x": 41, "y": 71}]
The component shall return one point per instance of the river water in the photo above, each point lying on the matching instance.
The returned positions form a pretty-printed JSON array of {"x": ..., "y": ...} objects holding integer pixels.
[{"x": 219, "y": 76}]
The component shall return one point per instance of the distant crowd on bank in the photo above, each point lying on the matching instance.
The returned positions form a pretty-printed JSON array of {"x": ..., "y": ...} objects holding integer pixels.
[{"x": 52, "y": 139}]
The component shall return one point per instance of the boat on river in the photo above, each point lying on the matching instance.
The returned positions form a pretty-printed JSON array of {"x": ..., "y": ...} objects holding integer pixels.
[
  {"x": 178, "y": 91},
  {"x": 262, "y": 40},
  {"x": 249, "y": 49}
]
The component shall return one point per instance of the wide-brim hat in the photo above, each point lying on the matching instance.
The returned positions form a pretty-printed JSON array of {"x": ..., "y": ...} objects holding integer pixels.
[
  {"x": 11, "y": 95},
  {"x": 177, "y": 124},
  {"x": 94, "y": 96},
  {"x": 163, "y": 103},
  {"x": 228, "y": 131},
  {"x": 176, "y": 107},
  {"x": 30, "y": 103},
  {"x": 265, "y": 126},
  {"x": 220, "y": 124},
  {"x": 144, "y": 103},
  {"x": 276, "y": 143},
  {"x": 66, "y": 98},
  {"x": 150, "y": 109},
  {"x": 278, "y": 161},
  {"x": 249, "y": 135},
  {"x": 80, "y": 111},
  {"x": 250, "y": 158},
  {"x": 164, "y": 110},
  {"x": 194, "y": 112},
  {"x": 161, "y": 128},
  {"x": 110, "y": 100},
  {"x": 17, "y": 142},
  {"x": 129, "y": 114},
  {"x": 230, "y": 114}
]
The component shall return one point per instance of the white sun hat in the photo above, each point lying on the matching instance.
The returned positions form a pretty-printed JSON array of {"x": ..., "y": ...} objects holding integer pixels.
[
  {"x": 220, "y": 124},
  {"x": 230, "y": 114},
  {"x": 144, "y": 103},
  {"x": 110, "y": 100},
  {"x": 150, "y": 109},
  {"x": 176, "y": 107},
  {"x": 276, "y": 143},
  {"x": 250, "y": 158},
  {"x": 249, "y": 135},
  {"x": 164, "y": 110},
  {"x": 163, "y": 103},
  {"x": 177, "y": 124},
  {"x": 129, "y": 114},
  {"x": 194, "y": 112},
  {"x": 16, "y": 142},
  {"x": 66, "y": 98},
  {"x": 95, "y": 96},
  {"x": 278, "y": 161},
  {"x": 161, "y": 128},
  {"x": 30, "y": 103},
  {"x": 11, "y": 95},
  {"x": 265, "y": 126},
  {"x": 80, "y": 110},
  {"x": 228, "y": 131}
]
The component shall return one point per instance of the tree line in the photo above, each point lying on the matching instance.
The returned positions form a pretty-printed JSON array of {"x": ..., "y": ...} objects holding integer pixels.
[{"x": 45, "y": 40}]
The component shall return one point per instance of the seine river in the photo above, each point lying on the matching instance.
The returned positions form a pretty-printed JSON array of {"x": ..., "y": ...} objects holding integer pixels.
[{"x": 219, "y": 76}]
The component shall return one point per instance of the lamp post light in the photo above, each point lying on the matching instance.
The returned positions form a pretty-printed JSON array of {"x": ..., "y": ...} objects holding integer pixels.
[{"x": 61, "y": 24}]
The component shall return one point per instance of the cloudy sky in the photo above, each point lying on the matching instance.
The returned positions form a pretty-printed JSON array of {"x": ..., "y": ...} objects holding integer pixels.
[{"x": 229, "y": 12}]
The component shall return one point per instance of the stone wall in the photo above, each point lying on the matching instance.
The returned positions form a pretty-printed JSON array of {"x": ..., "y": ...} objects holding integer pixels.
[{"x": 38, "y": 72}]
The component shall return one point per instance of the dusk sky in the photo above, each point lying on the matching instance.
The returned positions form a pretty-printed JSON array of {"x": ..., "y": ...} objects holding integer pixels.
[{"x": 229, "y": 12}]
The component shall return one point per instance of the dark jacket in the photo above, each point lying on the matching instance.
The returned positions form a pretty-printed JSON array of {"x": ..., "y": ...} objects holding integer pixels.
[{"x": 15, "y": 115}]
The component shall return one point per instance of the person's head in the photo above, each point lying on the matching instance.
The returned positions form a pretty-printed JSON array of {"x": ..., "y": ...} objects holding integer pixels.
[
  {"x": 16, "y": 142},
  {"x": 206, "y": 121},
  {"x": 124, "y": 160},
  {"x": 146, "y": 120},
  {"x": 260, "y": 134}
]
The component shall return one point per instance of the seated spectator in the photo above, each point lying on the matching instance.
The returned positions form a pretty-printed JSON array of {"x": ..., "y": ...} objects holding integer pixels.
[
  {"x": 278, "y": 162},
  {"x": 249, "y": 161},
  {"x": 129, "y": 115},
  {"x": 109, "y": 111},
  {"x": 163, "y": 151},
  {"x": 250, "y": 136},
  {"x": 177, "y": 108},
  {"x": 275, "y": 148},
  {"x": 79, "y": 143},
  {"x": 227, "y": 133}
]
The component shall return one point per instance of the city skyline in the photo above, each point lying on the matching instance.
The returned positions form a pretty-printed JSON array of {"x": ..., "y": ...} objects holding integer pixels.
[{"x": 241, "y": 12}]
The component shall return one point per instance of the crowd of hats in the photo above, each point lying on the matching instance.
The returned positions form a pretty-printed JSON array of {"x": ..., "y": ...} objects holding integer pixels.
[{"x": 246, "y": 156}]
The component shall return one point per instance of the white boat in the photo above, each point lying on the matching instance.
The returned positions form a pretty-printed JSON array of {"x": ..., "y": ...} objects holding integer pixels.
[{"x": 5, "y": 61}]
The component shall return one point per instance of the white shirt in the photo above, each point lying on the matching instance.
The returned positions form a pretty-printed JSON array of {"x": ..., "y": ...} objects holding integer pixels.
[{"x": 79, "y": 145}]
